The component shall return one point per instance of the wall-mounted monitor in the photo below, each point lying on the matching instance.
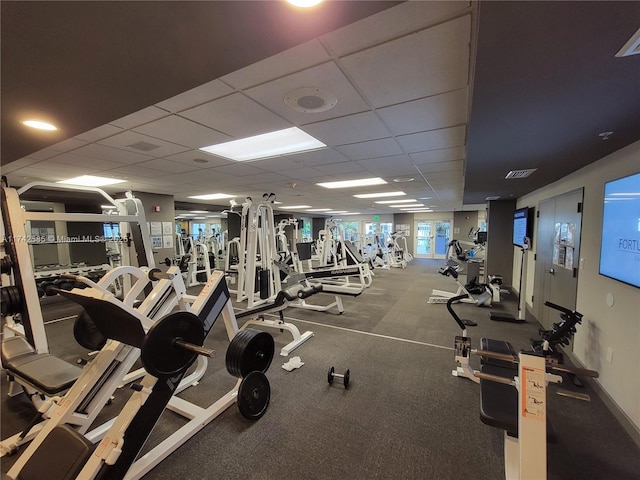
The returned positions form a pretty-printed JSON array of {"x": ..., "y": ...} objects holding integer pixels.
[
  {"x": 522, "y": 226},
  {"x": 620, "y": 244}
]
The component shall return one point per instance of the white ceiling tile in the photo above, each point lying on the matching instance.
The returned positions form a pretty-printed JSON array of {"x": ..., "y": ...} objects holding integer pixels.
[
  {"x": 196, "y": 96},
  {"x": 83, "y": 160},
  {"x": 189, "y": 157},
  {"x": 327, "y": 78},
  {"x": 168, "y": 166},
  {"x": 102, "y": 152},
  {"x": 455, "y": 165},
  {"x": 302, "y": 173},
  {"x": 143, "y": 173},
  {"x": 352, "y": 129},
  {"x": 436, "y": 156},
  {"x": 179, "y": 130},
  {"x": 129, "y": 141},
  {"x": 138, "y": 118},
  {"x": 339, "y": 168},
  {"x": 296, "y": 58},
  {"x": 18, "y": 164},
  {"x": 264, "y": 178},
  {"x": 395, "y": 165},
  {"x": 237, "y": 116},
  {"x": 278, "y": 164},
  {"x": 323, "y": 156},
  {"x": 99, "y": 133},
  {"x": 434, "y": 139},
  {"x": 239, "y": 169},
  {"x": 422, "y": 64},
  {"x": 390, "y": 23},
  {"x": 44, "y": 154},
  {"x": 383, "y": 147},
  {"x": 431, "y": 113}
]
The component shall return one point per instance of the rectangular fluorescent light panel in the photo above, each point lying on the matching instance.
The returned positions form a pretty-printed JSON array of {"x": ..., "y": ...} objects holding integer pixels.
[
  {"x": 394, "y": 201},
  {"x": 213, "y": 196},
  {"x": 380, "y": 195},
  {"x": 363, "y": 182},
  {"x": 318, "y": 210},
  {"x": 407, "y": 205},
  {"x": 273, "y": 144},
  {"x": 91, "y": 181},
  {"x": 295, "y": 207},
  {"x": 336, "y": 212}
]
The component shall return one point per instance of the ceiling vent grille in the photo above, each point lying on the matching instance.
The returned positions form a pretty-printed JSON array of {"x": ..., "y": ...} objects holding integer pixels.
[
  {"x": 632, "y": 47},
  {"x": 520, "y": 173},
  {"x": 143, "y": 146}
]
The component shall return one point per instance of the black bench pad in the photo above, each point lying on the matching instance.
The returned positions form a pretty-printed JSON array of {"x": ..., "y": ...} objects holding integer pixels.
[
  {"x": 498, "y": 346},
  {"x": 49, "y": 374}
]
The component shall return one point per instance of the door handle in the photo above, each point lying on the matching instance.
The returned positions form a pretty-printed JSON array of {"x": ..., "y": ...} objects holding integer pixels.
[{"x": 552, "y": 271}]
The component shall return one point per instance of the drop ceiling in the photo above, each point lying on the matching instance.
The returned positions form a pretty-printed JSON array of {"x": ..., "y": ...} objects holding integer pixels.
[{"x": 453, "y": 94}]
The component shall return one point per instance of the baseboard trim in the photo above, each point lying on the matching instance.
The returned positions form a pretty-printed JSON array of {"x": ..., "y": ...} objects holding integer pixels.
[{"x": 627, "y": 424}]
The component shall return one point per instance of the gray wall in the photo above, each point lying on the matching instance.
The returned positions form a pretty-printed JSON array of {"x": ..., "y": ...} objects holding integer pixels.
[
  {"x": 499, "y": 252},
  {"x": 405, "y": 219},
  {"x": 167, "y": 213},
  {"x": 462, "y": 223}
]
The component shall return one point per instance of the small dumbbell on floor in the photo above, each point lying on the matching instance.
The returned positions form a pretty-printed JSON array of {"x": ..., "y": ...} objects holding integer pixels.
[{"x": 331, "y": 375}]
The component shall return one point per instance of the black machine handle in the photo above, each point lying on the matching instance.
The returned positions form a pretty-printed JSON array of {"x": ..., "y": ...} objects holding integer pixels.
[
  {"x": 453, "y": 314},
  {"x": 310, "y": 290},
  {"x": 558, "y": 307}
]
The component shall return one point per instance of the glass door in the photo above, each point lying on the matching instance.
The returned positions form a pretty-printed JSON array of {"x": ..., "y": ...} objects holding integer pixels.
[
  {"x": 424, "y": 239},
  {"x": 443, "y": 236}
]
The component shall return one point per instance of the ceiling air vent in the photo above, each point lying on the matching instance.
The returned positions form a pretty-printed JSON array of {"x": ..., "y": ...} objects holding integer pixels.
[
  {"x": 143, "y": 146},
  {"x": 520, "y": 173},
  {"x": 632, "y": 47}
]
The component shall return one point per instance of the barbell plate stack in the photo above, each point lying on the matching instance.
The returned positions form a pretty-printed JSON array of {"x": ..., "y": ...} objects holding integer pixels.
[
  {"x": 250, "y": 350},
  {"x": 254, "y": 395},
  {"x": 161, "y": 357}
]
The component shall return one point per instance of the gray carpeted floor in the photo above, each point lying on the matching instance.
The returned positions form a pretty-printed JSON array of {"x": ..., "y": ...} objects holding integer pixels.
[{"x": 404, "y": 415}]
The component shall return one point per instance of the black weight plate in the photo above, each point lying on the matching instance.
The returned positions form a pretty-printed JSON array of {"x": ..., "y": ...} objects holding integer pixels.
[
  {"x": 346, "y": 378},
  {"x": 250, "y": 350},
  {"x": 160, "y": 357},
  {"x": 254, "y": 395},
  {"x": 87, "y": 334},
  {"x": 330, "y": 375}
]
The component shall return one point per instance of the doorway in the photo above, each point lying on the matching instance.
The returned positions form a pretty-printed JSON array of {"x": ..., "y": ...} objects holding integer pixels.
[
  {"x": 557, "y": 255},
  {"x": 432, "y": 238}
]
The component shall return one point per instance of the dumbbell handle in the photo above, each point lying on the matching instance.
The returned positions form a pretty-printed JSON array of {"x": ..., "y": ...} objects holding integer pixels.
[
  {"x": 338, "y": 375},
  {"x": 207, "y": 352},
  {"x": 156, "y": 274}
]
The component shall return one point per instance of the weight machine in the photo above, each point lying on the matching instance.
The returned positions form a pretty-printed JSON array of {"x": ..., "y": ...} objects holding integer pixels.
[
  {"x": 462, "y": 294},
  {"x": 167, "y": 347}
]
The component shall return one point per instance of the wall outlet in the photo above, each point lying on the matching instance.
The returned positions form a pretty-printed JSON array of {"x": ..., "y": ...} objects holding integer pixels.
[{"x": 609, "y": 354}]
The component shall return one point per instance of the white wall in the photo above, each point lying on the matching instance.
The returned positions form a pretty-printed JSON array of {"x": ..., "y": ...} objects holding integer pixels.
[{"x": 603, "y": 328}]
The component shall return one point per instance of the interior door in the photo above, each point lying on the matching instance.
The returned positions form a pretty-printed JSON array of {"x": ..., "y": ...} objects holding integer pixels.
[
  {"x": 424, "y": 239},
  {"x": 442, "y": 237},
  {"x": 557, "y": 255}
]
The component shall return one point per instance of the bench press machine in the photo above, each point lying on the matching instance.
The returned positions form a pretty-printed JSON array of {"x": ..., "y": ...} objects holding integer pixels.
[{"x": 167, "y": 347}]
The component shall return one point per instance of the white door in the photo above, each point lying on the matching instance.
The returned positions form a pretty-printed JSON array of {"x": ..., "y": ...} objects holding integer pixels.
[{"x": 423, "y": 247}]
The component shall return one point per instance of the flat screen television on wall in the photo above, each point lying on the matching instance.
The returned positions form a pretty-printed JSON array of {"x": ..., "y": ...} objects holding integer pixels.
[{"x": 620, "y": 244}]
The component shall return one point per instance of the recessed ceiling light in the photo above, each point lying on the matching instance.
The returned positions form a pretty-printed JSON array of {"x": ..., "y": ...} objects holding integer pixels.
[
  {"x": 407, "y": 205},
  {"x": 380, "y": 195},
  {"x": 332, "y": 212},
  {"x": 212, "y": 196},
  {"x": 403, "y": 179},
  {"x": 39, "y": 125},
  {"x": 394, "y": 201},
  {"x": 412, "y": 207},
  {"x": 363, "y": 182},
  {"x": 319, "y": 210},
  {"x": 424, "y": 198},
  {"x": 91, "y": 181},
  {"x": 267, "y": 145},
  {"x": 419, "y": 210},
  {"x": 605, "y": 135},
  {"x": 304, "y": 3},
  {"x": 350, "y": 213},
  {"x": 295, "y": 207},
  {"x": 493, "y": 197}
]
